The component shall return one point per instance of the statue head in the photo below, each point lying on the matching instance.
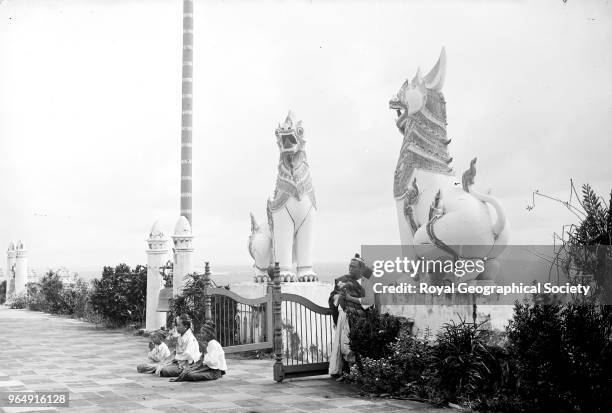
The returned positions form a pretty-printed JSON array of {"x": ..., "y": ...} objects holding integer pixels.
[
  {"x": 290, "y": 135},
  {"x": 421, "y": 93}
]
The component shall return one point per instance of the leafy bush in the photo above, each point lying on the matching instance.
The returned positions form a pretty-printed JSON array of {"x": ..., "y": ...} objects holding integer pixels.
[
  {"x": 370, "y": 336},
  {"x": 191, "y": 301},
  {"x": 52, "y": 295},
  {"x": 18, "y": 301},
  {"x": 2, "y": 292},
  {"x": 465, "y": 367},
  {"x": 119, "y": 296},
  {"x": 401, "y": 372},
  {"x": 562, "y": 359},
  {"x": 77, "y": 299},
  {"x": 35, "y": 300},
  {"x": 223, "y": 309}
]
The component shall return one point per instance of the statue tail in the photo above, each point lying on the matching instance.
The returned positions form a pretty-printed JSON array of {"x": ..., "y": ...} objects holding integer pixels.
[
  {"x": 500, "y": 222},
  {"x": 468, "y": 181}
]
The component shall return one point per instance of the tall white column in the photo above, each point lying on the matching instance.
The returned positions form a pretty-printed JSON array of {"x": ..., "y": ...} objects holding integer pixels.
[
  {"x": 21, "y": 268},
  {"x": 157, "y": 254},
  {"x": 10, "y": 261},
  {"x": 183, "y": 254},
  {"x": 187, "y": 111}
]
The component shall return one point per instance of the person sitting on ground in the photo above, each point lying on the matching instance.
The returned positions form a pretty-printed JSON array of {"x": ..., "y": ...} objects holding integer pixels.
[
  {"x": 186, "y": 352},
  {"x": 158, "y": 352},
  {"x": 212, "y": 365}
]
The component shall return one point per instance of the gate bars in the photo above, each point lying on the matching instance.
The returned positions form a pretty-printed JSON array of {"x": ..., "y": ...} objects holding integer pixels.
[{"x": 297, "y": 330}]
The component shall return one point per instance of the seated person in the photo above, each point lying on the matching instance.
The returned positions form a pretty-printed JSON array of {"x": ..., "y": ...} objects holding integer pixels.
[
  {"x": 186, "y": 352},
  {"x": 211, "y": 366},
  {"x": 157, "y": 354}
]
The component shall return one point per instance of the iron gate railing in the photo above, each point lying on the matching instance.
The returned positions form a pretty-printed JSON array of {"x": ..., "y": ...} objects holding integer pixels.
[{"x": 297, "y": 330}]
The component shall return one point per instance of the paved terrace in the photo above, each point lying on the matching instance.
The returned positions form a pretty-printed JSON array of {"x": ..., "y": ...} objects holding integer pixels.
[{"x": 41, "y": 352}]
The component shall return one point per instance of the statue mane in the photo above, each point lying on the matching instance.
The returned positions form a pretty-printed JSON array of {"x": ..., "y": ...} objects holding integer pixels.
[
  {"x": 292, "y": 181},
  {"x": 425, "y": 144}
]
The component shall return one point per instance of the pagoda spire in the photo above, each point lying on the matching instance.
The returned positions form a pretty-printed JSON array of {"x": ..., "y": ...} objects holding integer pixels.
[{"x": 187, "y": 111}]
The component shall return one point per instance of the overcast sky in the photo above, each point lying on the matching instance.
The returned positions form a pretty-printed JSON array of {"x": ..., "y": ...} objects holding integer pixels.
[{"x": 90, "y": 115}]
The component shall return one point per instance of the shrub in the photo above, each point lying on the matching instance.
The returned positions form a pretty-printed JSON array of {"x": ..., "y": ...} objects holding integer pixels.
[
  {"x": 35, "y": 300},
  {"x": 52, "y": 295},
  {"x": 402, "y": 372},
  {"x": 18, "y": 301},
  {"x": 191, "y": 302},
  {"x": 2, "y": 292},
  {"x": 119, "y": 296},
  {"x": 370, "y": 336},
  {"x": 562, "y": 358},
  {"x": 378, "y": 375},
  {"x": 76, "y": 299},
  {"x": 586, "y": 337},
  {"x": 465, "y": 367}
]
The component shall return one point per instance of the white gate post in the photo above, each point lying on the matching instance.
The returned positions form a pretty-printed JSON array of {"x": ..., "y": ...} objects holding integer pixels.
[
  {"x": 157, "y": 253},
  {"x": 183, "y": 254}
]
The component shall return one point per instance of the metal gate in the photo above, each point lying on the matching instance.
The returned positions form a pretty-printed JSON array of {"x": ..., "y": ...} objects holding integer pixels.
[{"x": 297, "y": 330}]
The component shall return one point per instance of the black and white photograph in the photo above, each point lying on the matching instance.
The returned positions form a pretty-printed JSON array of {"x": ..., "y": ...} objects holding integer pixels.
[{"x": 306, "y": 206}]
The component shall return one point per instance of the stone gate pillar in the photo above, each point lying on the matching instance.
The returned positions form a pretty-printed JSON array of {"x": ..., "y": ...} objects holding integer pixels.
[
  {"x": 157, "y": 253},
  {"x": 183, "y": 254},
  {"x": 21, "y": 268},
  {"x": 10, "y": 261}
]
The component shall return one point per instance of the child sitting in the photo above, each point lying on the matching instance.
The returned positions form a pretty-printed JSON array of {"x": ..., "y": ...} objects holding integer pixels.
[
  {"x": 211, "y": 365},
  {"x": 158, "y": 352}
]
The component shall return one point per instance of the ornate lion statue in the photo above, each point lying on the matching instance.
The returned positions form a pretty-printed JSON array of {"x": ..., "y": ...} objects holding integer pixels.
[
  {"x": 436, "y": 215},
  {"x": 291, "y": 212}
]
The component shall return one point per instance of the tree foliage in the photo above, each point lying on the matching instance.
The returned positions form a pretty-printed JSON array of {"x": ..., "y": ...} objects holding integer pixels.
[{"x": 120, "y": 294}]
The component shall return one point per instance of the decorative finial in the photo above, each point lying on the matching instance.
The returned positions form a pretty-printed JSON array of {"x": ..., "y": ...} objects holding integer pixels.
[{"x": 467, "y": 179}]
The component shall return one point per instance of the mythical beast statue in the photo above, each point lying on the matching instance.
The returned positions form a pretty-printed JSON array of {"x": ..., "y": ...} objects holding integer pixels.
[
  {"x": 437, "y": 216},
  {"x": 291, "y": 212}
]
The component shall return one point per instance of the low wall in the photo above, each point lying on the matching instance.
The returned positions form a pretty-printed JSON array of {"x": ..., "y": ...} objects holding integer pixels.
[{"x": 428, "y": 311}]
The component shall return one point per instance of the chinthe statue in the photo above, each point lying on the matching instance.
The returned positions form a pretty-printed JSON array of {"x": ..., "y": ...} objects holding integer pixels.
[
  {"x": 437, "y": 215},
  {"x": 288, "y": 237}
]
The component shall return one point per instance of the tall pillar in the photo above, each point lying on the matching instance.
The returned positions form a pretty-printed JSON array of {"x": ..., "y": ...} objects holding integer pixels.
[
  {"x": 10, "y": 261},
  {"x": 183, "y": 255},
  {"x": 21, "y": 268},
  {"x": 187, "y": 110},
  {"x": 157, "y": 253}
]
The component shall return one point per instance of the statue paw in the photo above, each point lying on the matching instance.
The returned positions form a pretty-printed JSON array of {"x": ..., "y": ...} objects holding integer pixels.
[
  {"x": 308, "y": 275},
  {"x": 288, "y": 276}
]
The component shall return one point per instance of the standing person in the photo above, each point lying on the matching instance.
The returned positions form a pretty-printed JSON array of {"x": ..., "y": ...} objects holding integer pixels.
[
  {"x": 212, "y": 365},
  {"x": 158, "y": 353},
  {"x": 348, "y": 297},
  {"x": 186, "y": 353}
]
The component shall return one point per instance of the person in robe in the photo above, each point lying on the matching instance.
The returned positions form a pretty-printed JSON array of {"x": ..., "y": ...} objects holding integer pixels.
[
  {"x": 347, "y": 297},
  {"x": 211, "y": 365},
  {"x": 186, "y": 352},
  {"x": 158, "y": 352}
]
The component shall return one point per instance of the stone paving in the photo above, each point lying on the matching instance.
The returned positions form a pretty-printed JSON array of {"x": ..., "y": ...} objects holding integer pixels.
[{"x": 41, "y": 352}]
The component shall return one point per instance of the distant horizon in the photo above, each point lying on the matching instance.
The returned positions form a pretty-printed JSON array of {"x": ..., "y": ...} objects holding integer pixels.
[{"x": 90, "y": 124}]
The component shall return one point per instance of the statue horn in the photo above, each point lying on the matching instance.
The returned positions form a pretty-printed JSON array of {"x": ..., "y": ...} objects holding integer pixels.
[{"x": 435, "y": 78}]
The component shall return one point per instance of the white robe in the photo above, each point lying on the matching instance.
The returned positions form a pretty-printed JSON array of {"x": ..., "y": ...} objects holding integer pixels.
[
  {"x": 215, "y": 356},
  {"x": 341, "y": 349},
  {"x": 187, "y": 348},
  {"x": 159, "y": 353}
]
